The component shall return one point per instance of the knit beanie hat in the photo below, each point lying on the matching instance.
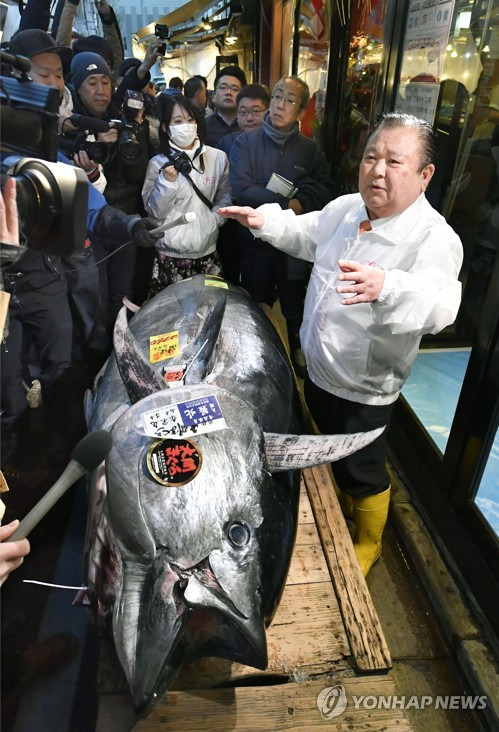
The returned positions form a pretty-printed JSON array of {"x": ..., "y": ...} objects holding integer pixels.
[
  {"x": 127, "y": 64},
  {"x": 86, "y": 64}
]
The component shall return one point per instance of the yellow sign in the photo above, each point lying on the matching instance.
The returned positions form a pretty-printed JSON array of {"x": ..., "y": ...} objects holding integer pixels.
[{"x": 163, "y": 346}]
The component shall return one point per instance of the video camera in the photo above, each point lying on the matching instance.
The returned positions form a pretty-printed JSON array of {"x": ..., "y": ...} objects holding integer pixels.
[
  {"x": 52, "y": 197},
  {"x": 129, "y": 146},
  {"x": 162, "y": 32}
]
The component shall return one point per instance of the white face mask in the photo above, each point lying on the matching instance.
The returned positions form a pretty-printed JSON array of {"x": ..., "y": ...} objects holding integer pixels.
[{"x": 183, "y": 135}]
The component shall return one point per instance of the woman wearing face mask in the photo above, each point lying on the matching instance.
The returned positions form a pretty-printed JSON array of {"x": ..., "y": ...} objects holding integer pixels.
[{"x": 188, "y": 249}]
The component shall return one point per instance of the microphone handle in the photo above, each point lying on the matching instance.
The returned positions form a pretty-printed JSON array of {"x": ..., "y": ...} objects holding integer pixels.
[
  {"x": 179, "y": 221},
  {"x": 72, "y": 472}
]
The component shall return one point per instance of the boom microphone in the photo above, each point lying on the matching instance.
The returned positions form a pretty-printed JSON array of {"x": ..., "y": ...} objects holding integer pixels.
[
  {"x": 86, "y": 456},
  {"x": 18, "y": 62},
  {"x": 89, "y": 123},
  {"x": 186, "y": 218}
]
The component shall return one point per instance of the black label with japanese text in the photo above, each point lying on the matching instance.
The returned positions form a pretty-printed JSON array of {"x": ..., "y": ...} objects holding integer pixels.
[{"x": 174, "y": 462}]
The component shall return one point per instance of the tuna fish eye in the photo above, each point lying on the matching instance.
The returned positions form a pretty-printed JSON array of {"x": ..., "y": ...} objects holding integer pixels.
[{"x": 239, "y": 534}]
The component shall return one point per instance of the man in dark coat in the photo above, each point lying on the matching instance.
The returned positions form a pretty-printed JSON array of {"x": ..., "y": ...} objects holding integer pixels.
[{"x": 277, "y": 147}]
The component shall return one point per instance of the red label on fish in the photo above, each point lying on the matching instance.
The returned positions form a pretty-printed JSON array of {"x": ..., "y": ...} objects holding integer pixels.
[
  {"x": 174, "y": 373},
  {"x": 174, "y": 462}
]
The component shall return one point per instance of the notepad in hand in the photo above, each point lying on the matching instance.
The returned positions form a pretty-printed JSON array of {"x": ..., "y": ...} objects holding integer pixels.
[{"x": 282, "y": 186}]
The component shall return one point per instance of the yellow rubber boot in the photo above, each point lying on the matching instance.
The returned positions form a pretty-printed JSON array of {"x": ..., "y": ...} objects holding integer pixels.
[{"x": 369, "y": 516}]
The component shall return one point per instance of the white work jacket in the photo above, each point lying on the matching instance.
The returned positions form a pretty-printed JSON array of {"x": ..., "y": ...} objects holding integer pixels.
[
  {"x": 165, "y": 201},
  {"x": 364, "y": 352}
]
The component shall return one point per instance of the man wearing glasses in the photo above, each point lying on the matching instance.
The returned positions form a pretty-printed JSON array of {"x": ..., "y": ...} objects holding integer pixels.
[
  {"x": 277, "y": 147},
  {"x": 252, "y": 103},
  {"x": 228, "y": 83}
]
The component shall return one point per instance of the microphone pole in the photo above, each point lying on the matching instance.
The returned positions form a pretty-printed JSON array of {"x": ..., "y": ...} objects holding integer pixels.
[{"x": 86, "y": 456}]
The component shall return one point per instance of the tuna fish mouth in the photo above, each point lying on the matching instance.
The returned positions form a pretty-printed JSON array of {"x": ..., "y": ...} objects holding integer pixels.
[
  {"x": 203, "y": 574},
  {"x": 185, "y": 614}
]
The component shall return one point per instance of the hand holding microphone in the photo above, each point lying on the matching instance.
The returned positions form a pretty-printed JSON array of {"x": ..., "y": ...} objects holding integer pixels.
[
  {"x": 86, "y": 456},
  {"x": 146, "y": 237}
]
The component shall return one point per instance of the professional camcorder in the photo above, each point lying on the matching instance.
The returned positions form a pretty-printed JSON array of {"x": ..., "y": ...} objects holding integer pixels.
[
  {"x": 129, "y": 146},
  {"x": 162, "y": 32},
  {"x": 52, "y": 197},
  {"x": 180, "y": 161}
]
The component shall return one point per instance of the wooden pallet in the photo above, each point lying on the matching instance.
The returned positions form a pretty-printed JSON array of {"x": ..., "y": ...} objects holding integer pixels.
[
  {"x": 370, "y": 651},
  {"x": 276, "y": 708},
  {"x": 324, "y": 628}
]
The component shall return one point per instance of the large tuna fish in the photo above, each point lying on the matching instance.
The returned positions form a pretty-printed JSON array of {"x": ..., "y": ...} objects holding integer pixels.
[{"x": 193, "y": 521}]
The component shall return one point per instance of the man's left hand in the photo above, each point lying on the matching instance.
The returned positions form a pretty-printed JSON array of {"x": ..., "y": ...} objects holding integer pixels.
[{"x": 364, "y": 281}]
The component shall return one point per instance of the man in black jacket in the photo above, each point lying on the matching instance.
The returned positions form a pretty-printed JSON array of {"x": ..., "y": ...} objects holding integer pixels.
[
  {"x": 124, "y": 176},
  {"x": 228, "y": 83},
  {"x": 277, "y": 147}
]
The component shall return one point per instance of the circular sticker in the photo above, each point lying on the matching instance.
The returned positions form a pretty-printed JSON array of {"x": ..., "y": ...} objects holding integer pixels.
[{"x": 174, "y": 462}]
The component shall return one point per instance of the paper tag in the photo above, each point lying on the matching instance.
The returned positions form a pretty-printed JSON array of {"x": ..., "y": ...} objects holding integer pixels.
[
  {"x": 193, "y": 417},
  {"x": 3, "y": 483},
  {"x": 174, "y": 374},
  {"x": 216, "y": 283},
  {"x": 163, "y": 346},
  {"x": 174, "y": 462}
]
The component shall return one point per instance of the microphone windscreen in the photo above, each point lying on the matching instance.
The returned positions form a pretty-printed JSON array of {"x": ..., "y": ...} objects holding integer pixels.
[
  {"x": 190, "y": 216},
  {"x": 92, "y": 449},
  {"x": 89, "y": 123}
]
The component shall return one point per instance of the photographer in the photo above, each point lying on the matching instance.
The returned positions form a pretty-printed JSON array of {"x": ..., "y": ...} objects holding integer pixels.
[
  {"x": 38, "y": 281},
  {"x": 126, "y": 155},
  {"x": 186, "y": 176}
]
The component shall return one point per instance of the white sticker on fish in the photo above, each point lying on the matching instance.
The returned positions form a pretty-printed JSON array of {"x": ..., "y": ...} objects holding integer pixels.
[{"x": 184, "y": 419}]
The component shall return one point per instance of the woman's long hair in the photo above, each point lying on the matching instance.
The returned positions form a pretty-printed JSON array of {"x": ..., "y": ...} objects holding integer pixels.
[{"x": 166, "y": 104}]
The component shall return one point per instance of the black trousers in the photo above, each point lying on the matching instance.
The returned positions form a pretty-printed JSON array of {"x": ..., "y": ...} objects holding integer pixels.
[
  {"x": 363, "y": 473},
  {"x": 45, "y": 320},
  {"x": 115, "y": 276},
  {"x": 270, "y": 274}
]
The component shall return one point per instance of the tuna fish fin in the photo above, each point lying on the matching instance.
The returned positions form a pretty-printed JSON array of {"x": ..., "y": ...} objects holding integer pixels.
[
  {"x": 200, "y": 351},
  {"x": 139, "y": 378},
  {"x": 293, "y": 452}
]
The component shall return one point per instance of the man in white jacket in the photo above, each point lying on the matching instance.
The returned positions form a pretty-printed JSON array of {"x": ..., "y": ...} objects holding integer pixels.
[{"x": 386, "y": 268}]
